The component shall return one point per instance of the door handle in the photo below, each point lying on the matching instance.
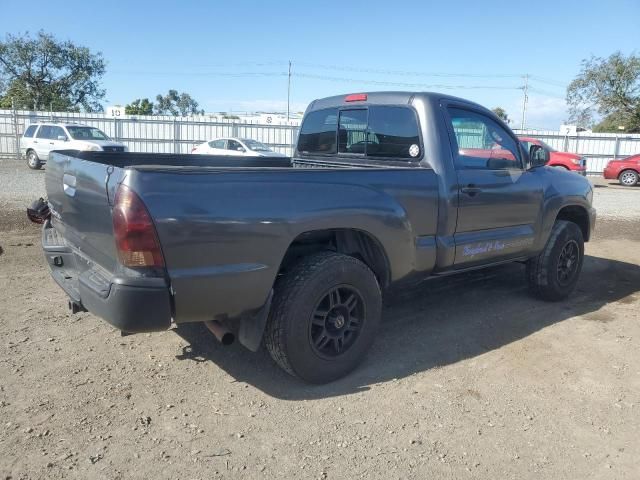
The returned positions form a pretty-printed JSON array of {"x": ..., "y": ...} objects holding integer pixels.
[
  {"x": 471, "y": 190},
  {"x": 51, "y": 143}
]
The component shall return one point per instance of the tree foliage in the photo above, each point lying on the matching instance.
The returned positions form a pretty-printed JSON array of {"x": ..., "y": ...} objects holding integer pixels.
[
  {"x": 608, "y": 88},
  {"x": 175, "y": 104},
  {"x": 43, "y": 72},
  {"x": 501, "y": 113},
  {"x": 139, "y": 107}
]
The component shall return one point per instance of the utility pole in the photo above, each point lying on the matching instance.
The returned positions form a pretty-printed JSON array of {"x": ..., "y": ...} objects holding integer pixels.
[
  {"x": 525, "y": 99},
  {"x": 289, "y": 90}
]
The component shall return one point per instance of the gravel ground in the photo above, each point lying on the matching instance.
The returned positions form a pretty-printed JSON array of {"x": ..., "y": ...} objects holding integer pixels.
[{"x": 470, "y": 378}]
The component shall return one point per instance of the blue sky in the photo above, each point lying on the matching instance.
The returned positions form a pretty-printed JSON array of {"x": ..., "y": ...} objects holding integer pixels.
[{"x": 233, "y": 55}]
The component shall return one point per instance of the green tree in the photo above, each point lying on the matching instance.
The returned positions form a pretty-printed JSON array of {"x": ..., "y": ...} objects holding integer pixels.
[
  {"x": 608, "y": 88},
  {"x": 43, "y": 72},
  {"x": 176, "y": 104},
  {"x": 139, "y": 107},
  {"x": 501, "y": 113}
]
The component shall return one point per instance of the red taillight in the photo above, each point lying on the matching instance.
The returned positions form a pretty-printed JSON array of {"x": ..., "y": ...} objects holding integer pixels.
[
  {"x": 136, "y": 238},
  {"x": 194, "y": 149},
  {"x": 356, "y": 97}
]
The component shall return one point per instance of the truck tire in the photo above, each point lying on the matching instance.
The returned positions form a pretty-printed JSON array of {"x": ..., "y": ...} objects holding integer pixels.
[
  {"x": 553, "y": 274},
  {"x": 324, "y": 317},
  {"x": 33, "y": 161}
]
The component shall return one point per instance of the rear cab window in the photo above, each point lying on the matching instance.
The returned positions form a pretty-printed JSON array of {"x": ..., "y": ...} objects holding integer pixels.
[
  {"x": 372, "y": 132},
  {"x": 30, "y": 131}
]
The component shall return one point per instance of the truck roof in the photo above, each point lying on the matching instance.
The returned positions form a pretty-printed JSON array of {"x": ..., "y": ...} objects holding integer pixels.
[{"x": 389, "y": 97}]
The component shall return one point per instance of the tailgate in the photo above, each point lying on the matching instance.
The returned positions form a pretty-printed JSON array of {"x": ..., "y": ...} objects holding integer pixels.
[{"x": 79, "y": 193}]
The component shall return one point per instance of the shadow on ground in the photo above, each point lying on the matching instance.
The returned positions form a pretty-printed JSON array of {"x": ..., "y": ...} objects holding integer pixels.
[{"x": 433, "y": 324}]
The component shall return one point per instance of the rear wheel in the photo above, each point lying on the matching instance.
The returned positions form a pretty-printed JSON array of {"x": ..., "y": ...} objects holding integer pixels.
[
  {"x": 325, "y": 313},
  {"x": 553, "y": 274},
  {"x": 33, "y": 161},
  {"x": 628, "y": 178}
]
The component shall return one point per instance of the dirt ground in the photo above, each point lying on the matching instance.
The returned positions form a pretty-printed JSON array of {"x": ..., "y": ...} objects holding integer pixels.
[{"x": 470, "y": 378}]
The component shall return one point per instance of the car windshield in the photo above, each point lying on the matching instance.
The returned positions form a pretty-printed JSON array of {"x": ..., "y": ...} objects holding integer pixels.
[
  {"x": 544, "y": 145},
  {"x": 86, "y": 133},
  {"x": 255, "y": 145},
  {"x": 547, "y": 146}
]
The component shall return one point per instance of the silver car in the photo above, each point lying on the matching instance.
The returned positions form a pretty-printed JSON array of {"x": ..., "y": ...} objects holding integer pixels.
[{"x": 39, "y": 139}]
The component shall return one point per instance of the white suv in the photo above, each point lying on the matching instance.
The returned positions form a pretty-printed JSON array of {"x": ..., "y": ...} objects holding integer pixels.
[{"x": 39, "y": 139}]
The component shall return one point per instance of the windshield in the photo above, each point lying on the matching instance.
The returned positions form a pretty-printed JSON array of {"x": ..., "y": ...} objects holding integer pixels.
[
  {"x": 547, "y": 146},
  {"x": 255, "y": 145},
  {"x": 86, "y": 133},
  {"x": 530, "y": 141}
]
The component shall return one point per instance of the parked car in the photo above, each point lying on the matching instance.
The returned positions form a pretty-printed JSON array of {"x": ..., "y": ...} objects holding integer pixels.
[
  {"x": 625, "y": 170},
  {"x": 566, "y": 160},
  {"x": 242, "y": 147},
  {"x": 39, "y": 139},
  {"x": 296, "y": 252}
]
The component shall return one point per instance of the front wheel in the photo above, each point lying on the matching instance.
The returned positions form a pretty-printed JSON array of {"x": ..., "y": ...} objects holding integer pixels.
[
  {"x": 324, "y": 316},
  {"x": 33, "y": 161},
  {"x": 628, "y": 178},
  {"x": 553, "y": 274}
]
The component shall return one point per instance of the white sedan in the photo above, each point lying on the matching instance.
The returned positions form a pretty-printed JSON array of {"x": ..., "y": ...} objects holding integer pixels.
[{"x": 244, "y": 147}]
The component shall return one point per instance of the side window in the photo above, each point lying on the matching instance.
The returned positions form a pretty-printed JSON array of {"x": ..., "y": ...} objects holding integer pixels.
[
  {"x": 44, "y": 132},
  {"x": 31, "y": 129},
  {"x": 57, "y": 132},
  {"x": 217, "y": 144},
  {"x": 233, "y": 145},
  {"x": 482, "y": 143},
  {"x": 393, "y": 132},
  {"x": 318, "y": 132},
  {"x": 352, "y": 131}
]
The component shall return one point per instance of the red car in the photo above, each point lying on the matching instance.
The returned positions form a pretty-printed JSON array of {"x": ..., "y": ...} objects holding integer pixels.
[
  {"x": 626, "y": 170},
  {"x": 566, "y": 160}
]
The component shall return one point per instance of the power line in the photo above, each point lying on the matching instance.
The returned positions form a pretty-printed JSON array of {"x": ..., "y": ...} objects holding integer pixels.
[
  {"x": 402, "y": 84},
  {"x": 406, "y": 72}
]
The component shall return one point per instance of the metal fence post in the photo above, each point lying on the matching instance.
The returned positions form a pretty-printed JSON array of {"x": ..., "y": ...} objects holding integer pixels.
[
  {"x": 14, "y": 117},
  {"x": 176, "y": 136},
  {"x": 616, "y": 151}
]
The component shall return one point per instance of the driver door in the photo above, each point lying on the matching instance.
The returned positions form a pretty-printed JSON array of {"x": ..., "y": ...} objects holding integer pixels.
[
  {"x": 498, "y": 199},
  {"x": 235, "y": 148}
]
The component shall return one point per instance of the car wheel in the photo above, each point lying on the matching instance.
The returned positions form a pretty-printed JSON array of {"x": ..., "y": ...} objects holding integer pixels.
[
  {"x": 33, "y": 161},
  {"x": 324, "y": 316},
  {"x": 628, "y": 178},
  {"x": 552, "y": 275}
]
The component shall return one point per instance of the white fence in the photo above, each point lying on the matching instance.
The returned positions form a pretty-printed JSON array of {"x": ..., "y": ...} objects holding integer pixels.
[
  {"x": 153, "y": 134},
  {"x": 165, "y": 134},
  {"x": 597, "y": 148}
]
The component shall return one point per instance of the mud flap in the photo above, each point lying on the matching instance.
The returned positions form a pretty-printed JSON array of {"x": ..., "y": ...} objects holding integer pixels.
[{"x": 252, "y": 328}]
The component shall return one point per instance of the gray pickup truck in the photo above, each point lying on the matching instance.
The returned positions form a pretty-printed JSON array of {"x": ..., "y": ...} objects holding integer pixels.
[{"x": 383, "y": 188}]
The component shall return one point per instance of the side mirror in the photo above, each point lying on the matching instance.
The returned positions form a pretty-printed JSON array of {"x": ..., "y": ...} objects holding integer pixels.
[
  {"x": 240, "y": 149},
  {"x": 538, "y": 156},
  {"x": 62, "y": 138}
]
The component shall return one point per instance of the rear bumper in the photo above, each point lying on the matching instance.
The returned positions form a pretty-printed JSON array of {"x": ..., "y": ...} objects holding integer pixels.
[{"x": 144, "y": 306}]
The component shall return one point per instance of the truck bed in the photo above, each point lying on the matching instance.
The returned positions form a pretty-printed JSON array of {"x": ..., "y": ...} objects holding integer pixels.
[{"x": 225, "y": 221}]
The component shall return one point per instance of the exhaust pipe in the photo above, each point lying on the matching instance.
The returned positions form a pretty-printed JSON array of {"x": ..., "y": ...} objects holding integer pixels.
[{"x": 221, "y": 332}]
